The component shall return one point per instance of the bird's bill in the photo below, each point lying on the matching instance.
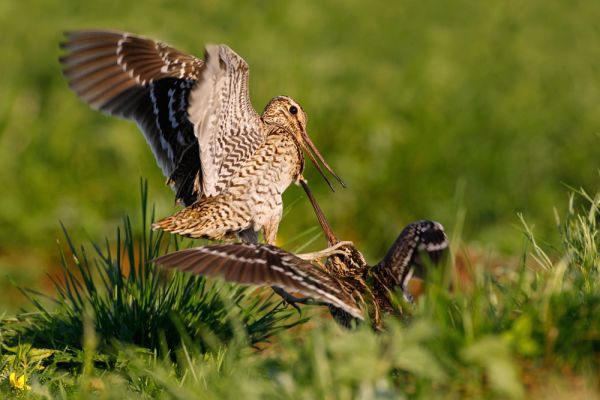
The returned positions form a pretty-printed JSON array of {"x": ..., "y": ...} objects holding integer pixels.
[
  {"x": 314, "y": 155},
  {"x": 329, "y": 234}
]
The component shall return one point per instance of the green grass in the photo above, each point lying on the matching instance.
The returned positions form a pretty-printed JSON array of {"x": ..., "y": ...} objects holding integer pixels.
[
  {"x": 464, "y": 112},
  {"x": 118, "y": 294},
  {"x": 526, "y": 331}
]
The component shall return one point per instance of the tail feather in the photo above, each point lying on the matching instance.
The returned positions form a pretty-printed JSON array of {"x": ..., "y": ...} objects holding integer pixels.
[{"x": 213, "y": 218}]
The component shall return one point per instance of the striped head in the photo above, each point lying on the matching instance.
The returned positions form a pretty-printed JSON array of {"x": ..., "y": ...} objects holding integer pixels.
[{"x": 285, "y": 113}]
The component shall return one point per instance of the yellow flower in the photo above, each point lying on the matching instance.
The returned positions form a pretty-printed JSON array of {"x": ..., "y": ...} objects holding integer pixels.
[{"x": 18, "y": 383}]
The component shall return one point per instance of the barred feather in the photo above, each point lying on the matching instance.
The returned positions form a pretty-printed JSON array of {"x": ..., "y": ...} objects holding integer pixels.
[
  {"x": 228, "y": 128},
  {"x": 213, "y": 218},
  {"x": 347, "y": 284},
  {"x": 263, "y": 265},
  {"x": 405, "y": 256},
  {"x": 148, "y": 82},
  {"x": 196, "y": 115}
]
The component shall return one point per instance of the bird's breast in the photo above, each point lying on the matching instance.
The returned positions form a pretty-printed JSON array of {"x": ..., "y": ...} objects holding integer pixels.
[{"x": 270, "y": 170}]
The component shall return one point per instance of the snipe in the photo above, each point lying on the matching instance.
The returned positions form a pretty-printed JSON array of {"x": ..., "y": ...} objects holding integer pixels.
[
  {"x": 346, "y": 283},
  {"x": 226, "y": 162}
]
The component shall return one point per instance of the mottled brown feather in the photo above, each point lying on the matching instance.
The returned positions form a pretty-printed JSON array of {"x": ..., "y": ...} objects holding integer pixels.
[
  {"x": 263, "y": 265},
  {"x": 118, "y": 73},
  {"x": 348, "y": 285},
  {"x": 182, "y": 102}
]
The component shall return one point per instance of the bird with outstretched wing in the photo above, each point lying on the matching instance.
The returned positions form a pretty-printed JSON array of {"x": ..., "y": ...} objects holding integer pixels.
[
  {"x": 346, "y": 283},
  {"x": 227, "y": 164}
]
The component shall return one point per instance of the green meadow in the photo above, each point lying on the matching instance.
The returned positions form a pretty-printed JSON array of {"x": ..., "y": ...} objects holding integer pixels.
[{"x": 484, "y": 116}]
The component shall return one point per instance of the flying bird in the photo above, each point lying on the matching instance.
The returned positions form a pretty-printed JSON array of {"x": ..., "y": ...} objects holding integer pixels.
[{"x": 226, "y": 163}]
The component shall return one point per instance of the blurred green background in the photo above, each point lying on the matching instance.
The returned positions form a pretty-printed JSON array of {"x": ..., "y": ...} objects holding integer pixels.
[{"x": 427, "y": 109}]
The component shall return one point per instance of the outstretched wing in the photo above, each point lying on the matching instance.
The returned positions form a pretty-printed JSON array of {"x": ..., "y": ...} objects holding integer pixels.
[
  {"x": 227, "y": 126},
  {"x": 146, "y": 81},
  {"x": 263, "y": 265},
  {"x": 195, "y": 114},
  {"x": 417, "y": 240}
]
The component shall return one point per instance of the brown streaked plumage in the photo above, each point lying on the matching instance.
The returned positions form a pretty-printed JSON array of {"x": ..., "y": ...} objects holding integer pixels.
[
  {"x": 252, "y": 199},
  {"x": 347, "y": 284},
  {"x": 223, "y": 159}
]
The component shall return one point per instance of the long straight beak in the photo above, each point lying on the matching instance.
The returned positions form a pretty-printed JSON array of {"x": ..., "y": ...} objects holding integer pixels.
[
  {"x": 329, "y": 234},
  {"x": 314, "y": 155}
]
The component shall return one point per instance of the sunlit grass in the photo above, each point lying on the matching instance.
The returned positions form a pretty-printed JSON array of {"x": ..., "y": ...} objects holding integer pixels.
[
  {"x": 426, "y": 109},
  {"x": 507, "y": 334},
  {"x": 120, "y": 297}
]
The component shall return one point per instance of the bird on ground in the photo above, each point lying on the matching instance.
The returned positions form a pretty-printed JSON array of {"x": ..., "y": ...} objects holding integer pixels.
[
  {"x": 346, "y": 283},
  {"x": 227, "y": 164}
]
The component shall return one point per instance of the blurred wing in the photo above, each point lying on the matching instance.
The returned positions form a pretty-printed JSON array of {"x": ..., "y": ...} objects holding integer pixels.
[
  {"x": 433, "y": 244},
  {"x": 263, "y": 265},
  {"x": 432, "y": 240},
  {"x": 418, "y": 239},
  {"x": 227, "y": 126},
  {"x": 146, "y": 81}
]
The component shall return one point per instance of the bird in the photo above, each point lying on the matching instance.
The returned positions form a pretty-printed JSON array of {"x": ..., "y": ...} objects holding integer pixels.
[
  {"x": 351, "y": 288},
  {"x": 227, "y": 164}
]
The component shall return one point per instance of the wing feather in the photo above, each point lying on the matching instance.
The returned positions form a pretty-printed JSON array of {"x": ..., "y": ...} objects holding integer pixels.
[
  {"x": 228, "y": 128},
  {"x": 263, "y": 265},
  {"x": 176, "y": 99},
  {"x": 146, "y": 81},
  {"x": 420, "y": 244}
]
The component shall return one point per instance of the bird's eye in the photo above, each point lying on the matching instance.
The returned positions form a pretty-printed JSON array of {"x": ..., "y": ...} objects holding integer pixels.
[{"x": 294, "y": 110}]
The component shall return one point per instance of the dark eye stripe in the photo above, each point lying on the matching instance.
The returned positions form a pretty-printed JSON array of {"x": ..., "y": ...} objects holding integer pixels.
[{"x": 293, "y": 109}]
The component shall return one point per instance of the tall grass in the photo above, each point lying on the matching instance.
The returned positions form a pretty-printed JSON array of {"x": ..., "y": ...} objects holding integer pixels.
[
  {"x": 128, "y": 300},
  {"x": 525, "y": 331},
  {"x": 510, "y": 333}
]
